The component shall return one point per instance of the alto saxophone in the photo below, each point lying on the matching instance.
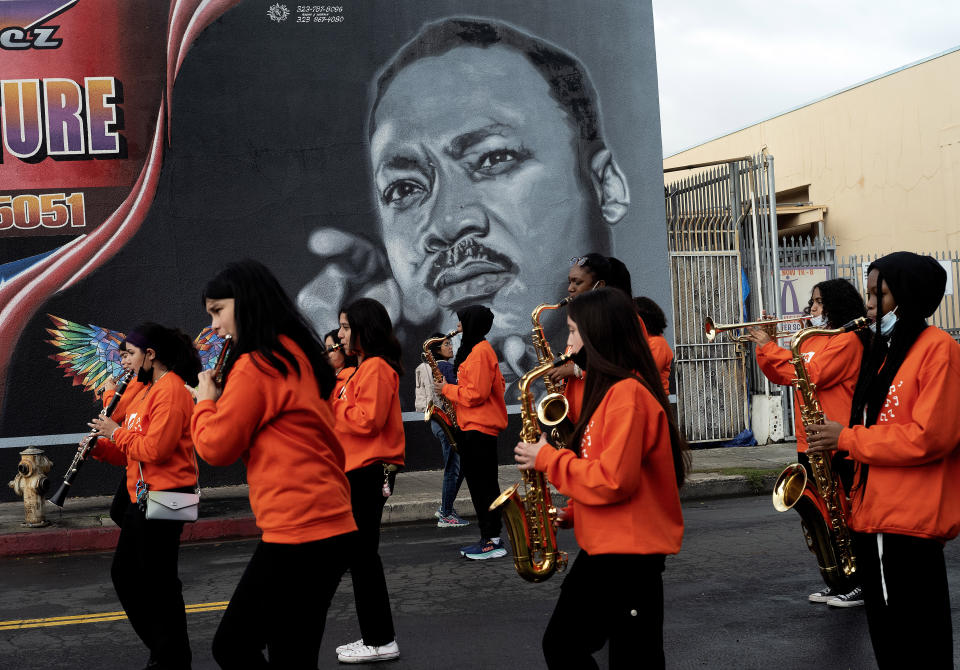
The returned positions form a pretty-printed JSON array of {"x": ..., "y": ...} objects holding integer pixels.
[
  {"x": 553, "y": 408},
  {"x": 530, "y": 518},
  {"x": 445, "y": 415},
  {"x": 822, "y": 504}
]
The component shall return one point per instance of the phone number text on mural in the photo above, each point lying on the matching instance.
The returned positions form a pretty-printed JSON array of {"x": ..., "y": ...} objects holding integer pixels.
[{"x": 47, "y": 210}]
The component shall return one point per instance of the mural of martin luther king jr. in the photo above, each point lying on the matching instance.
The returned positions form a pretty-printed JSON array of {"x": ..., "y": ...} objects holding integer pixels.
[{"x": 489, "y": 171}]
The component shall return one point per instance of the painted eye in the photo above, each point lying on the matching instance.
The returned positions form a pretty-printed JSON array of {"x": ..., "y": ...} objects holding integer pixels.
[
  {"x": 497, "y": 162},
  {"x": 400, "y": 192}
]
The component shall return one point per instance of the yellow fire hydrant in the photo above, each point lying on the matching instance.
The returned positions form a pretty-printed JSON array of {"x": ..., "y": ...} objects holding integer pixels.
[{"x": 31, "y": 484}]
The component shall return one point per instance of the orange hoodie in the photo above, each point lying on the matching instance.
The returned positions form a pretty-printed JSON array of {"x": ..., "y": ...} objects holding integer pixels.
[
  {"x": 832, "y": 363},
  {"x": 478, "y": 393},
  {"x": 368, "y": 418},
  {"x": 623, "y": 487},
  {"x": 663, "y": 357},
  {"x": 914, "y": 448},
  {"x": 154, "y": 435},
  {"x": 283, "y": 430}
]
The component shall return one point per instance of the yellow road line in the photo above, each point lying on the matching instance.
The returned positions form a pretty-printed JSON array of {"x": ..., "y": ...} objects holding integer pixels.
[{"x": 16, "y": 624}]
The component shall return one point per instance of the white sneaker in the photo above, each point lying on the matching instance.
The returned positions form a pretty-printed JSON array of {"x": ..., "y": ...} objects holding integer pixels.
[
  {"x": 352, "y": 645},
  {"x": 852, "y": 599},
  {"x": 822, "y": 596},
  {"x": 366, "y": 654}
]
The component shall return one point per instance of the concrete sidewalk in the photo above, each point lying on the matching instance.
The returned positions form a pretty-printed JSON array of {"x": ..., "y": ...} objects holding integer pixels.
[{"x": 84, "y": 524}]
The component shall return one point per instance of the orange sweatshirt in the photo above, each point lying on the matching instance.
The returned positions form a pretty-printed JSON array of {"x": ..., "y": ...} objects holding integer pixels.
[
  {"x": 368, "y": 418},
  {"x": 622, "y": 486},
  {"x": 832, "y": 364},
  {"x": 478, "y": 393},
  {"x": 283, "y": 430},
  {"x": 914, "y": 448},
  {"x": 154, "y": 435},
  {"x": 663, "y": 357}
]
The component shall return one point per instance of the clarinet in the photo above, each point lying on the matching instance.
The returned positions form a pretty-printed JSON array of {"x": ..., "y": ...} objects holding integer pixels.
[{"x": 89, "y": 443}]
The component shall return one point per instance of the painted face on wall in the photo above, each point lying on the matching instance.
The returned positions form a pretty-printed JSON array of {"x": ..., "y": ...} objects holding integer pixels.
[{"x": 478, "y": 186}]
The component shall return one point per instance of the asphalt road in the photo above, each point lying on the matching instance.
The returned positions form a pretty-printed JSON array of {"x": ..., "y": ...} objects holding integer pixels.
[{"x": 735, "y": 598}]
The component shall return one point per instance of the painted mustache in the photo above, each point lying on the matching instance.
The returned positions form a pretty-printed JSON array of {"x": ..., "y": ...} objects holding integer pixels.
[{"x": 467, "y": 272}]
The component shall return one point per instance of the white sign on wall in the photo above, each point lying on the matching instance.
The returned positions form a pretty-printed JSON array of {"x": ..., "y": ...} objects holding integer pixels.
[{"x": 796, "y": 285}]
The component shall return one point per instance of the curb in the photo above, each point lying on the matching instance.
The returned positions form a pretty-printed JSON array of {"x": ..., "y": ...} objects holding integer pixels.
[{"x": 64, "y": 541}]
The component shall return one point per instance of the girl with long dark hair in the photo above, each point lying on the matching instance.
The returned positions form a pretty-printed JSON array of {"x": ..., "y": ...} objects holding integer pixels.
[
  {"x": 342, "y": 364},
  {"x": 832, "y": 363},
  {"x": 623, "y": 475},
  {"x": 904, "y": 438},
  {"x": 154, "y": 444},
  {"x": 370, "y": 426},
  {"x": 273, "y": 413}
]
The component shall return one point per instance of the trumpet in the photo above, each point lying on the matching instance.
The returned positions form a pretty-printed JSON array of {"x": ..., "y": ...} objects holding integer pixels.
[{"x": 710, "y": 329}]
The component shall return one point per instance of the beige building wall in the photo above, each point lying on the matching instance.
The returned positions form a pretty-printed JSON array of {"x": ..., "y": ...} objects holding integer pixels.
[{"x": 883, "y": 157}]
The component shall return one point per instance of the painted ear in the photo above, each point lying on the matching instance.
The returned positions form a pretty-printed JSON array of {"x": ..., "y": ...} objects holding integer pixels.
[{"x": 610, "y": 186}]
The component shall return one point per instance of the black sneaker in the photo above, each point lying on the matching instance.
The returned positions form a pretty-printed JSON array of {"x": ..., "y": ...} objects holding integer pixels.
[
  {"x": 852, "y": 599},
  {"x": 822, "y": 596}
]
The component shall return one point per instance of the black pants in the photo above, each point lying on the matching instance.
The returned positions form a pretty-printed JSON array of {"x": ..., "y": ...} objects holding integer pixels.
[
  {"x": 478, "y": 462},
  {"x": 911, "y": 626},
  {"x": 366, "y": 569},
  {"x": 281, "y": 604},
  {"x": 144, "y": 574},
  {"x": 615, "y": 597}
]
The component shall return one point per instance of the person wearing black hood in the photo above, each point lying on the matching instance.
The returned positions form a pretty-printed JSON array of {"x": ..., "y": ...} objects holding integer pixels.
[
  {"x": 481, "y": 415},
  {"x": 904, "y": 438}
]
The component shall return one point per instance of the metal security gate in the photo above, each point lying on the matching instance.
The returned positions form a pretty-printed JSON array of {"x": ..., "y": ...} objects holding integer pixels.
[
  {"x": 721, "y": 232},
  {"x": 947, "y": 315}
]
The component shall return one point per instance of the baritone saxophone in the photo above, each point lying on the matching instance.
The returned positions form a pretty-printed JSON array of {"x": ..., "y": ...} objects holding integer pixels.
[
  {"x": 530, "y": 517},
  {"x": 446, "y": 414},
  {"x": 822, "y": 503}
]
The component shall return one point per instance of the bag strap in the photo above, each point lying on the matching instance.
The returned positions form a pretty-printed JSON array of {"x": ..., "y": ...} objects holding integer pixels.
[{"x": 196, "y": 465}]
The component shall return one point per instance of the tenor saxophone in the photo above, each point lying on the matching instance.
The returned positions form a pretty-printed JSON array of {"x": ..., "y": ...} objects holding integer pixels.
[
  {"x": 446, "y": 414},
  {"x": 822, "y": 504},
  {"x": 530, "y": 518},
  {"x": 553, "y": 408}
]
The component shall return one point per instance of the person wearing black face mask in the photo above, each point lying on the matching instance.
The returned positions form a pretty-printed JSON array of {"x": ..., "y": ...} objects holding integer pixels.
[
  {"x": 904, "y": 439},
  {"x": 154, "y": 444},
  {"x": 622, "y": 475},
  {"x": 481, "y": 415}
]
